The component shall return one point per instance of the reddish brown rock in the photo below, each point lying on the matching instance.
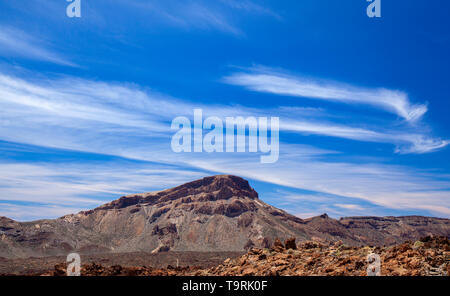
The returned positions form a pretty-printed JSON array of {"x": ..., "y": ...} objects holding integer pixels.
[
  {"x": 278, "y": 244},
  {"x": 290, "y": 243}
]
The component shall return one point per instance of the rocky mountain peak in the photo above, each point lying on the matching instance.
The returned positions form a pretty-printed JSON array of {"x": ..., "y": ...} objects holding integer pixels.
[
  {"x": 213, "y": 184},
  {"x": 218, "y": 213},
  {"x": 220, "y": 187}
]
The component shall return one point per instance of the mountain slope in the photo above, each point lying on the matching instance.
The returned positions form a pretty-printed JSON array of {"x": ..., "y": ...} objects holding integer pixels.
[{"x": 219, "y": 213}]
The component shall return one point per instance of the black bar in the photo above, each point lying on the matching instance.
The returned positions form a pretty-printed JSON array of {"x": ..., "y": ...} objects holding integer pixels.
[{"x": 230, "y": 285}]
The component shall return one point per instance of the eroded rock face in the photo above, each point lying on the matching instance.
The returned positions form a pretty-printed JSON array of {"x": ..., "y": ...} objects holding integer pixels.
[
  {"x": 207, "y": 189},
  {"x": 219, "y": 213}
]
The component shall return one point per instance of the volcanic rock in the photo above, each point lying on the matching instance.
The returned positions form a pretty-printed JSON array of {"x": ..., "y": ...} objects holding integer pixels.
[
  {"x": 290, "y": 243},
  {"x": 220, "y": 213}
]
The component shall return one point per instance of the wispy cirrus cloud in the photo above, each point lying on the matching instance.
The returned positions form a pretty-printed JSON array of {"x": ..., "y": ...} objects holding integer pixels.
[
  {"x": 252, "y": 7},
  {"x": 406, "y": 142},
  {"x": 130, "y": 121},
  {"x": 189, "y": 14},
  {"x": 35, "y": 211},
  {"x": 69, "y": 105},
  {"x": 262, "y": 79},
  {"x": 350, "y": 206},
  {"x": 224, "y": 16},
  {"x": 199, "y": 14},
  {"x": 205, "y": 15},
  {"x": 50, "y": 189},
  {"x": 389, "y": 186},
  {"x": 17, "y": 43}
]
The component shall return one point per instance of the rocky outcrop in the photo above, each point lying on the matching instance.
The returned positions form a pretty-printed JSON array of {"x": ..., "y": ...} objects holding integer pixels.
[
  {"x": 429, "y": 256},
  {"x": 207, "y": 189},
  {"x": 290, "y": 243}
]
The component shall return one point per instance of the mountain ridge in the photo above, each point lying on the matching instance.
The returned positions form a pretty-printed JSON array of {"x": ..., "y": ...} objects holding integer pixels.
[{"x": 217, "y": 213}]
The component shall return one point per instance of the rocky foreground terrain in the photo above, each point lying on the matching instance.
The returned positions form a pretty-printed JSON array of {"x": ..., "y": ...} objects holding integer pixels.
[
  {"x": 213, "y": 214},
  {"x": 41, "y": 265},
  {"x": 429, "y": 256}
]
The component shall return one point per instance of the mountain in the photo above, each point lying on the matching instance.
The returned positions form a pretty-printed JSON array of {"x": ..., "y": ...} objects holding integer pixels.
[{"x": 219, "y": 213}]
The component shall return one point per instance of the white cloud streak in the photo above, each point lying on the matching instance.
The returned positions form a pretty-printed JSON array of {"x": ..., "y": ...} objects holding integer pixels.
[
  {"x": 25, "y": 212},
  {"x": 252, "y": 7},
  {"x": 17, "y": 43},
  {"x": 350, "y": 207},
  {"x": 262, "y": 79},
  {"x": 395, "y": 187},
  {"x": 200, "y": 15},
  {"x": 203, "y": 15},
  {"x": 405, "y": 142},
  {"x": 77, "y": 186},
  {"x": 128, "y": 121},
  {"x": 77, "y": 105}
]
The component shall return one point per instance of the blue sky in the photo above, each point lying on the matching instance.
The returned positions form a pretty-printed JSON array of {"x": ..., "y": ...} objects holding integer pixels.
[{"x": 86, "y": 103}]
